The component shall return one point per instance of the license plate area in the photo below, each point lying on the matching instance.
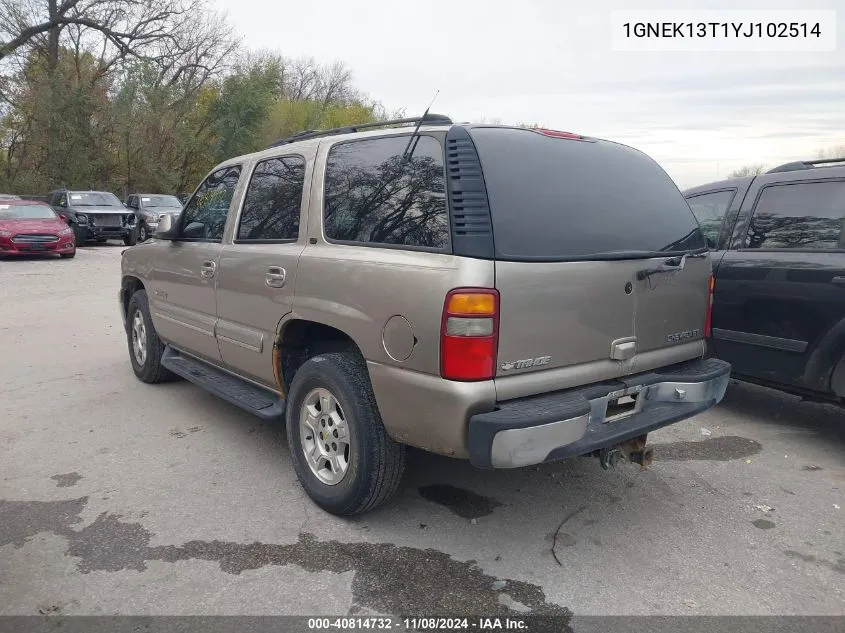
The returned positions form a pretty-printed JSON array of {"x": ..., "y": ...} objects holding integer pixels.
[
  {"x": 620, "y": 408},
  {"x": 623, "y": 404}
]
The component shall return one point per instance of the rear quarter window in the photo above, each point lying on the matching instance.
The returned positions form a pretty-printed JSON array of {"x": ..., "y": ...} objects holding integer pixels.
[
  {"x": 555, "y": 199},
  {"x": 710, "y": 209},
  {"x": 376, "y": 195}
]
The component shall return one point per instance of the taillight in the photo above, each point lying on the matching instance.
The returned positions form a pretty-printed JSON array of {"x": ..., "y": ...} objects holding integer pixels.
[
  {"x": 708, "y": 319},
  {"x": 469, "y": 334}
]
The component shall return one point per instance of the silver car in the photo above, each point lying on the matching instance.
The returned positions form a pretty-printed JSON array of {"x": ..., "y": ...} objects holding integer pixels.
[{"x": 149, "y": 208}]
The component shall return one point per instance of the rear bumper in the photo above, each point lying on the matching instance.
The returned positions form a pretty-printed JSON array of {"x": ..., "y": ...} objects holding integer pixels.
[{"x": 573, "y": 422}]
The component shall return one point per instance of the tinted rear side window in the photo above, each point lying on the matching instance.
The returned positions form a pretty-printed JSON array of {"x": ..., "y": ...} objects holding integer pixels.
[
  {"x": 374, "y": 195},
  {"x": 273, "y": 199},
  {"x": 556, "y": 199},
  {"x": 710, "y": 209},
  {"x": 805, "y": 215}
]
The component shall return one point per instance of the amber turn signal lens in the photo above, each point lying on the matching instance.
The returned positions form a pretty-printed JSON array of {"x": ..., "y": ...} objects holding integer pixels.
[{"x": 471, "y": 303}]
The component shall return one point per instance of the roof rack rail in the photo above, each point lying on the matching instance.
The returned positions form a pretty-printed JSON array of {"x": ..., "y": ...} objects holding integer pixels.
[
  {"x": 436, "y": 119},
  {"x": 805, "y": 164}
]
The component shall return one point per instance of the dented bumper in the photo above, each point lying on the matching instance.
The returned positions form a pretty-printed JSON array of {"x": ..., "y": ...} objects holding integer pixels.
[{"x": 579, "y": 421}]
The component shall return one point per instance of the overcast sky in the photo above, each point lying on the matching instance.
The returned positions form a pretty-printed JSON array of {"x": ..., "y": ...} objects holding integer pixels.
[{"x": 550, "y": 62}]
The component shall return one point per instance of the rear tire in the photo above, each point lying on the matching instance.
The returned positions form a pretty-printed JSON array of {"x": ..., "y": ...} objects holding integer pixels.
[
  {"x": 374, "y": 463},
  {"x": 145, "y": 347}
]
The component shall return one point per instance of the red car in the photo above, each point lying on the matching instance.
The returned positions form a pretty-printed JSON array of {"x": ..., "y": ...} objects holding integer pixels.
[{"x": 29, "y": 227}]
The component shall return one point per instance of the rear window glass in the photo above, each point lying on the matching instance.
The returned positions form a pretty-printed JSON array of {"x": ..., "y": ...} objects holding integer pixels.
[{"x": 555, "y": 199}]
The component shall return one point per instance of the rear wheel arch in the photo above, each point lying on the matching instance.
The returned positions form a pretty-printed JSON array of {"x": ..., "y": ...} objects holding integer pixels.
[
  {"x": 837, "y": 378},
  {"x": 129, "y": 285},
  {"x": 299, "y": 339},
  {"x": 825, "y": 367}
]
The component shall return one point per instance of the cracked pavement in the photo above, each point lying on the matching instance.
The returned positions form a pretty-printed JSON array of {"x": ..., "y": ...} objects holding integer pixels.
[{"x": 124, "y": 498}]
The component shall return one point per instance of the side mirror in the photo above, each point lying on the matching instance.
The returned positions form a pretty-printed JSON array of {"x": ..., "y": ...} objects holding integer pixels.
[{"x": 166, "y": 228}]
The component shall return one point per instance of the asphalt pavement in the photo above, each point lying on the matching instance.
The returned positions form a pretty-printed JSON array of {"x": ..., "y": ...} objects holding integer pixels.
[{"x": 124, "y": 498}]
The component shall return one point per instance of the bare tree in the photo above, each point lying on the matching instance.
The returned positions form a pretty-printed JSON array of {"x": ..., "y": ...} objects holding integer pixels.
[
  {"x": 305, "y": 79},
  {"x": 748, "y": 170},
  {"x": 160, "y": 30},
  {"x": 835, "y": 151}
]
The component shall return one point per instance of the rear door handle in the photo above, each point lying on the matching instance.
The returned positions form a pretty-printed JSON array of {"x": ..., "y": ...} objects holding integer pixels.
[
  {"x": 275, "y": 277},
  {"x": 838, "y": 281},
  {"x": 207, "y": 269}
]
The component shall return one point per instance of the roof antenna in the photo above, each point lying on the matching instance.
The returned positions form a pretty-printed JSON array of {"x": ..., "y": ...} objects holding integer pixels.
[{"x": 406, "y": 155}]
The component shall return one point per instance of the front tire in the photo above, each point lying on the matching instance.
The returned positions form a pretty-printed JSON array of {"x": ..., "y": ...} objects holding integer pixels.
[
  {"x": 132, "y": 238},
  {"x": 70, "y": 255},
  {"x": 79, "y": 234},
  {"x": 143, "y": 234},
  {"x": 341, "y": 452},
  {"x": 145, "y": 347}
]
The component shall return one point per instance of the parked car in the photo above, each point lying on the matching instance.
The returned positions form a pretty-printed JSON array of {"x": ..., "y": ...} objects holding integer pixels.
[
  {"x": 183, "y": 197},
  {"x": 9, "y": 196},
  {"x": 95, "y": 216},
  {"x": 33, "y": 228},
  {"x": 149, "y": 208},
  {"x": 375, "y": 309},
  {"x": 779, "y": 261}
]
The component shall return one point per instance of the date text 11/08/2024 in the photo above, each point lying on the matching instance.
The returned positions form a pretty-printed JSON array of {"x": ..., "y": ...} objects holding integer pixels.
[{"x": 482, "y": 624}]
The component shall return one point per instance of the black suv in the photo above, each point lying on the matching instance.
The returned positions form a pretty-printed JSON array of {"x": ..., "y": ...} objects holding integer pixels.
[
  {"x": 95, "y": 216},
  {"x": 779, "y": 264}
]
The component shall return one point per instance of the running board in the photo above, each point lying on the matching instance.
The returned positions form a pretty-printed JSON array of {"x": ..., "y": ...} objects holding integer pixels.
[{"x": 232, "y": 389}]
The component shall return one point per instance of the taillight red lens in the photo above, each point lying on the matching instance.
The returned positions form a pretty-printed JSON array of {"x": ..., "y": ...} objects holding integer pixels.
[
  {"x": 469, "y": 334},
  {"x": 708, "y": 319}
]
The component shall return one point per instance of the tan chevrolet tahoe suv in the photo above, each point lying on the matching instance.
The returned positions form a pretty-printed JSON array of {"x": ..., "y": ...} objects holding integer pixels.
[{"x": 498, "y": 294}]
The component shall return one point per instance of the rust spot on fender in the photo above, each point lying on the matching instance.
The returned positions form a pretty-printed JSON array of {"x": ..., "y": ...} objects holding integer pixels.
[{"x": 277, "y": 367}]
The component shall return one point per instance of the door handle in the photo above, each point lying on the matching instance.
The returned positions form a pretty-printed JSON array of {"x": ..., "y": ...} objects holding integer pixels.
[
  {"x": 207, "y": 269},
  {"x": 275, "y": 277},
  {"x": 838, "y": 281}
]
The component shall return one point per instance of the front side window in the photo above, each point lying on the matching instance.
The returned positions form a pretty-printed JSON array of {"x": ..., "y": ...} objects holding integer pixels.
[
  {"x": 377, "y": 194},
  {"x": 710, "y": 209},
  {"x": 807, "y": 215},
  {"x": 204, "y": 217},
  {"x": 273, "y": 201}
]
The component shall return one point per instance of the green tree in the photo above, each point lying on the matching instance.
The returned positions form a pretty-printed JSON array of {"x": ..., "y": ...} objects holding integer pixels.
[{"x": 245, "y": 99}]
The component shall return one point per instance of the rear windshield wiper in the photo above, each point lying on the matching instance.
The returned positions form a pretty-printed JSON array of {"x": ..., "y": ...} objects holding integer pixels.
[{"x": 673, "y": 264}]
